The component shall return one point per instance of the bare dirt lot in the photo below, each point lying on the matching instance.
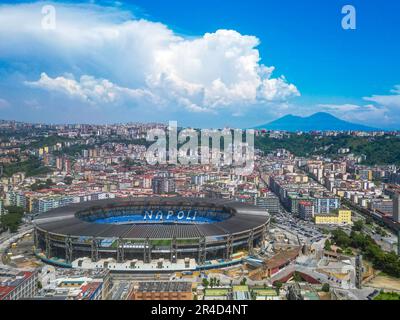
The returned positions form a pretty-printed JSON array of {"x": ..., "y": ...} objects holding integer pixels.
[
  {"x": 21, "y": 255},
  {"x": 384, "y": 282}
]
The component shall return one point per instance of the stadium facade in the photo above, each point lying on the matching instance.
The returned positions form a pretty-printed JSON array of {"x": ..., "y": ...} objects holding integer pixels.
[{"x": 151, "y": 228}]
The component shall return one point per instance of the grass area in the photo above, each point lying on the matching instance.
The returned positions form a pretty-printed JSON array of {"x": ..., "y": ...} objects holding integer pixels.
[
  {"x": 387, "y": 296},
  {"x": 216, "y": 292},
  {"x": 186, "y": 241},
  {"x": 31, "y": 167},
  {"x": 383, "y": 274},
  {"x": 48, "y": 141},
  {"x": 264, "y": 292},
  {"x": 161, "y": 242},
  {"x": 240, "y": 288},
  {"x": 385, "y": 282}
]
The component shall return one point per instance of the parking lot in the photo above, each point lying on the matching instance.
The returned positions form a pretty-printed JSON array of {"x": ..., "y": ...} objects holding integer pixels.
[
  {"x": 305, "y": 230},
  {"x": 120, "y": 290}
]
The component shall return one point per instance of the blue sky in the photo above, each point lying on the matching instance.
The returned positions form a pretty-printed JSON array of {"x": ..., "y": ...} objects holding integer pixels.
[{"x": 202, "y": 63}]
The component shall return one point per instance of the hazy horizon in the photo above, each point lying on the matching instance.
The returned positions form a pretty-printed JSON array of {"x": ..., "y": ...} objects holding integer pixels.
[{"x": 204, "y": 65}]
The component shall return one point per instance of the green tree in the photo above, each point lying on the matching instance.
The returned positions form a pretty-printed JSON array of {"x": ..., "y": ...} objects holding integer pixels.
[
  {"x": 325, "y": 287},
  {"x": 327, "y": 245},
  {"x": 378, "y": 150},
  {"x": 369, "y": 220},
  {"x": 12, "y": 219},
  {"x": 358, "y": 225},
  {"x": 278, "y": 285},
  {"x": 32, "y": 167},
  {"x": 381, "y": 231},
  {"x": 297, "y": 277},
  {"x": 212, "y": 282},
  {"x": 340, "y": 238},
  {"x": 68, "y": 180}
]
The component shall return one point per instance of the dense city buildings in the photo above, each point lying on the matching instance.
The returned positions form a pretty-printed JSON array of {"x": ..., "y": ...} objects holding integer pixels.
[
  {"x": 65, "y": 284},
  {"x": 269, "y": 202},
  {"x": 90, "y": 219},
  {"x": 396, "y": 207},
  {"x": 18, "y": 285},
  {"x": 342, "y": 217},
  {"x": 144, "y": 160},
  {"x": 306, "y": 210}
]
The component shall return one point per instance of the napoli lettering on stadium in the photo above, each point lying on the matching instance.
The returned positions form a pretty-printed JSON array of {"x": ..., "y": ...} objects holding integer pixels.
[{"x": 169, "y": 215}]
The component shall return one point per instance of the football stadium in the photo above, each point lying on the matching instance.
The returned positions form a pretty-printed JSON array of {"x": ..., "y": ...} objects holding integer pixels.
[{"x": 150, "y": 229}]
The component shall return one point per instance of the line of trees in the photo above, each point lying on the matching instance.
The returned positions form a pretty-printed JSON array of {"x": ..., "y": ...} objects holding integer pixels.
[
  {"x": 214, "y": 282},
  {"x": 388, "y": 262},
  {"x": 38, "y": 185},
  {"x": 378, "y": 150},
  {"x": 12, "y": 220},
  {"x": 31, "y": 167}
]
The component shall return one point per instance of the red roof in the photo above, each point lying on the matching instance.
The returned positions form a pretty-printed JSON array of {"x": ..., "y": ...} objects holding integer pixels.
[
  {"x": 282, "y": 258},
  {"x": 89, "y": 289},
  {"x": 4, "y": 291},
  {"x": 305, "y": 203}
]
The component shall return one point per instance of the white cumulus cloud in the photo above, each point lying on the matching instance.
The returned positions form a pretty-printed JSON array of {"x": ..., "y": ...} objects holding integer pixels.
[
  {"x": 359, "y": 113},
  {"x": 110, "y": 55},
  {"x": 89, "y": 89},
  {"x": 381, "y": 109},
  {"x": 390, "y": 101},
  {"x": 219, "y": 69}
]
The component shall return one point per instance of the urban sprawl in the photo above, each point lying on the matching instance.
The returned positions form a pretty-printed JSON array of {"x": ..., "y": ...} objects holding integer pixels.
[{"x": 334, "y": 215}]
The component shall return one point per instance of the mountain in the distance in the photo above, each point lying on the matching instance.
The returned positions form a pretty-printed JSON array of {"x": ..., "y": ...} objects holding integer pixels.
[{"x": 320, "y": 121}]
